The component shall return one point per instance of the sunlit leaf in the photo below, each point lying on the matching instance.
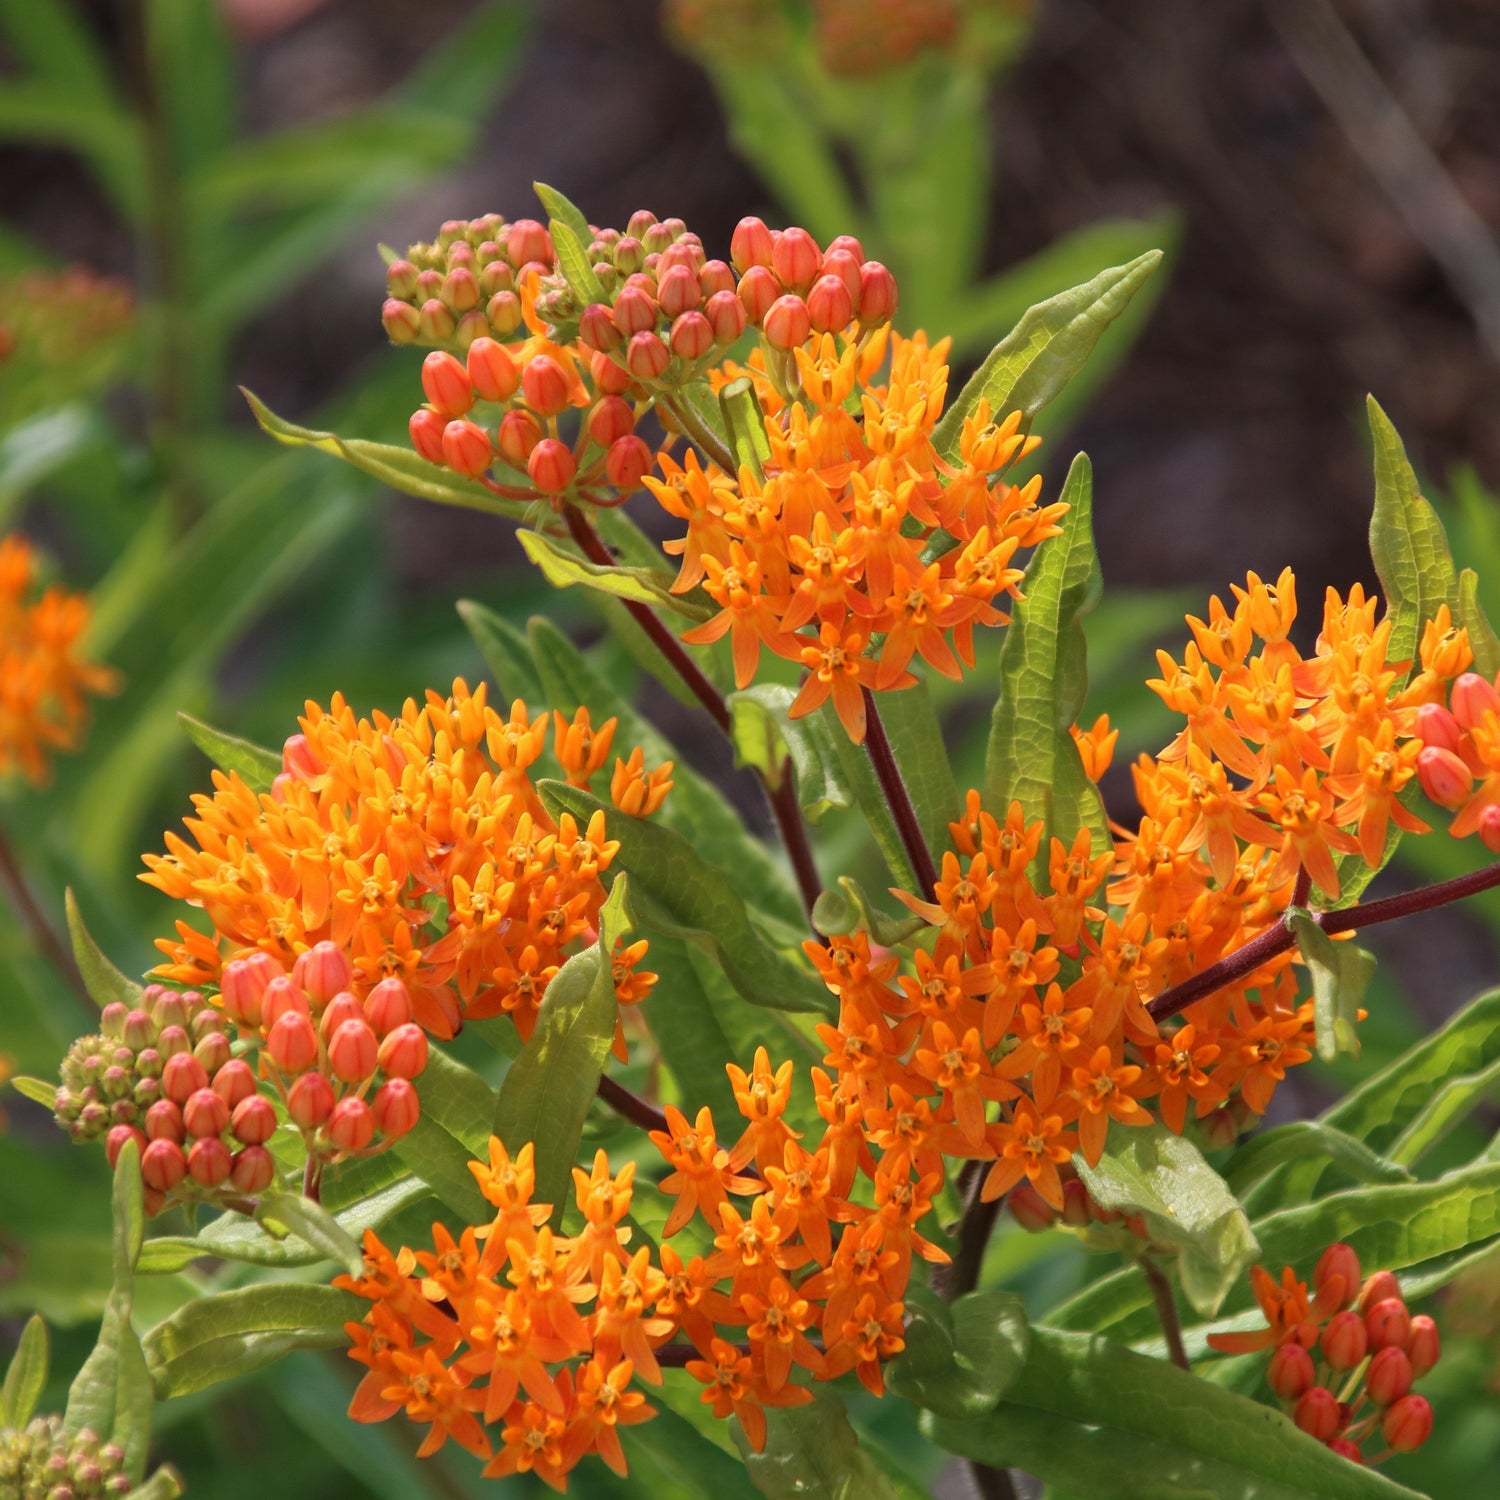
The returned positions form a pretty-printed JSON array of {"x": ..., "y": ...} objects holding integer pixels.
[{"x": 257, "y": 766}]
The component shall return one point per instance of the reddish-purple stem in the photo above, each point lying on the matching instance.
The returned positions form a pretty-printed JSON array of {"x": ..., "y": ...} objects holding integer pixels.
[{"x": 898, "y": 799}]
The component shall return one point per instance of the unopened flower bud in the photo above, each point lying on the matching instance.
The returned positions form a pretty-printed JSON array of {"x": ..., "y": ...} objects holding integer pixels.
[
  {"x": 148, "y": 1063},
  {"x": 171, "y": 1009},
  {"x": 138, "y": 1030},
  {"x": 726, "y": 316},
  {"x": 208, "y": 1161},
  {"x": 1075, "y": 1209},
  {"x": 234, "y": 1081},
  {"x": 1290, "y": 1373},
  {"x": 496, "y": 276},
  {"x": 715, "y": 277},
  {"x": 1407, "y": 1424},
  {"x": 182, "y": 1075},
  {"x": 877, "y": 294},
  {"x": 528, "y": 241},
  {"x": 544, "y": 383},
  {"x": 395, "y": 1108},
  {"x": 1388, "y": 1323},
  {"x": 1341, "y": 1261},
  {"x": 426, "y": 431},
  {"x": 1378, "y": 1286},
  {"x": 520, "y": 432},
  {"x": 1345, "y": 1340},
  {"x": 282, "y": 994},
  {"x": 750, "y": 245},
  {"x": 796, "y": 259},
  {"x": 112, "y": 1022},
  {"x": 627, "y": 462},
  {"x": 758, "y": 292},
  {"x": 1444, "y": 777},
  {"x": 352, "y": 1052},
  {"x": 473, "y": 325},
  {"x": 205, "y": 1114},
  {"x": 1423, "y": 1345},
  {"x": 551, "y": 466},
  {"x": 429, "y": 285},
  {"x": 388, "y": 1006},
  {"x": 609, "y": 378},
  {"x": 1488, "y": 828},
  {"x": 1030, "y": 1210},
  {"x": 292, "y": 1043},
  {"x": 321, "y": 972},
  {"x": 647, "y": 357},
  {"x": 1437, "y": 727},
  {"x": 252, "y": 1170},
  {"x": 844, "y": 266},
  {"x": 609, "y": 420},
  {"x": 310, "y": 1101},
  {"x": 503, "y": 311},
  {"x": 467, "y": 449},
  {"x": 1389, "y": 1377},
  {"x": 213, "y": 1051},
  {"x": 597, "y": 328},
  {"x": 114, "y": 1142},
  {"x": 1471, "y": 698},
  {"x": 163, "y": 1165},
  {"x": 436, "y": 323},
  {"x": 402, "y": 321},
  {"x": 829, "y": 305},
  {"x": 343, "y": 1007},
  {"x": 787, "y": 324},
  {"x": 403, "y": 1054},
  {"x": 678, "y": 291},
  {"x": 254, "y": 1120},
  {"x": 351, "y": 1126},
  {"x": 1317, "y": 1413},
  {"x": 634, "y": 311},
  {"x": 401, "y": 279},
  {"x": 461, "y": 289},
  {"x": 1345, "y": 1449},
  {"x": 692, "y": 336}
]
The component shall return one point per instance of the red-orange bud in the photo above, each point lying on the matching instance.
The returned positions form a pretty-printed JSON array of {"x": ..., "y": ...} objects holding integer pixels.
[
  {"x": 351, "y": 1126},
  {"x": 208, "y": 1161},
  {"x": 544, "y": 383},
  {"x": 388, "y": 1006},
  {"x": 492, "y": 372},
  {"x": 692, "y": 336},
  {"x": 1290, "y": 1373},
  {"x": 164, "y": 1122},
  {"x": 1345, "y": 1449},
  {"x": 608, "y": 377},
  {"x": 403, "y": 323},
  {"x": 1471, "y": 698},
  {"x": 1345, "y": 1340},
  {"x": 551, "y": 466},
  {"x": 1436, "y": 726},
  {"x": 610, "y": 420},
  {"x": 445, "y": 383},
  {"x": 1338, "y": 1260},
  {"x": 353, "y": 1051},
  {"x": 627, "y": 462},
  {"x": 795, "y": 258},
  {"x": 1030, "y": 1210},
  {"x": 1444, "y": 777},
  {"x": 1378, "y": 1286},
  {"x": 528, "y": 241},
  {"x": 758, "y": 291},
  {"x": 244, "y": 981},
  {"x": 292, "y": 1043},
  {"x": 726, "y": 316},
  {"x": 829, "y": 305},
  {"x": 1388, "y": 1323},
  {"x": 234, "y": 1082},
  {"x": 282, "y": 995},
  {"x": 395, "y": 1107},
  {"x": 182, "y": 1075},
  {"x": 877, "y": 293},
  {"x": 678, "y": 291},
  {"x": 1317, "y": 1413},
  {"x": 343, "y": 1007},
  {"x": 252, "y": 1170},
  {"x": 1423, "y": 1345},
  {"x": 1389, "y": 1377},
  {"x": 322, "y": 972},
  {"x": 254, "y": 1120},
  {"x": 1488, "y": 828},
  {"x": 205, "y": 1114},
  {"x": 467, "y": 449},
  {"x": 163, "y": 1165},
  {"x": 597, "y": 330},
  {"x": 751, "y": 244},
  {"x": 1076, "y": 1209},
  {"x": 403, "y": 1054},
  {"x": 845, "y": 244},
  {"x": 520, "y": 432},
  {"x": 114, "y": 1142},
  {"x": 647, "y": 357},
  {"x": 634, "y": 311},
  {"x": 844, "y": 266},
  {"x": 787, "y": 323},
  {"x": 715, "y": 277},
  {"x": 1408, "y": 1424},
  {"x": 310, "y": 1101}
]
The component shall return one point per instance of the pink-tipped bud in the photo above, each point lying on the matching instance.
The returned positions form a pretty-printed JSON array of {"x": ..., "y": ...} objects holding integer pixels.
[
  {"x": 403, "y": 1054},
  {"x": 503, "y": 311},
  {"x": 1438, "y": 728},
  {"x": 787, "y": 324},
  {"x": 796, "y": 259},
  {"x": 445, "y": 383},
  {"x": 1471, "y": 698},
  {"x": 243, "y": 982},
  {"x": 310, "y": 1101},
  {"x": 609, "y": 378},
  {"x": 1423, "y": 1345},
  {"x": 1444, "y": 777},
  {"x": 292, "y": 1043},
  {"x": 213, "y": 1051},
  {"x": 401, "y": 279},
  {"x": 1388, "y": 1323},
  {"x": 844, "y": 266},
  {"x": 1290, "y": 1373},
  {"x": 205, "y": 1114},
  {"x": 520, "y": 432},
  {"x": 322, "y": 972},
  {"x": 1338, "y": 1260},
  {"x": 1345, "y": 1449},
  {"x": 171, "y": 1041},
  {"x": 252, "y": 1170},
  {"x": 1345, "y": 1340},
  {"x": 1076, "y": 1208},
  {"x": 610, "y": 420},
  {"x": 751, "y": 244},
  {"x": 388, "y": 1006},
  {"x": 208, "y": 1161},
  {"x": 436, "y": 321},
  {"x": 627, "y": 462},
  {"x": 163, "y": 1165},
  {"x": 343, "y": 1007},
  {"x": 829, "y": 305},
  {"x": 634, "y": 311},
  {"x": 461, "y": 289},
  {"x": 403, "y": 323},
  {"x": 1317, "y": 1413},
  {"x": 395, "y": 1108},
  {"x": 298, "y": 758},
  {"x": 283, "y": 994},
  {"x": 1030, "y": 1210},
  {"x": 353, "y": 1051},
  {"x": 1378, "y": 1286},
  {"x": 1408, "y": 1424},
  {"x": 164, "y": 1122},
  {"x": 138, "y": 1030},
  {"x": 429, "y": 284},
  {"x": 467, "y": 449},
  {"x": 1488, "y": 828},
  {"x": 877, "y": 294},
  {"x": 551, "y": 466},
  {"x": 234, "y": 1081},
  {"x": 496, "y": 276},
  {"x": 692, "y": 336},
  {"x": 758, "y": 291},
  {"x": 492, "y": 372},
  {"x": 182, "y": 1075},
  {"x": 254, "y": 1120},
  {"x": 715, "y": 277},
  {"x": 528, "y": 241},
  {"x": 351, "y": 1126},
  {"x": 114, "y": 1142},
  {"x": 726, "y": 316},
  {"x": 426, "y": 430},
  {"x": 647, "y": 357},
  {"x": 1389, "y": 1377},
  {"x": 597, "y": 328},
  {"x": 544, "y": 383},
  {"x": 678, "y": 292}
]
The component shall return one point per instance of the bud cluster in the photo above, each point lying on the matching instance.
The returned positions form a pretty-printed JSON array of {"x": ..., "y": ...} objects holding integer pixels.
[
  {"x": 1459, "y": 766},
  {"x": 44, "y": 1463},
  {"x": 1342, "y": 1364}
]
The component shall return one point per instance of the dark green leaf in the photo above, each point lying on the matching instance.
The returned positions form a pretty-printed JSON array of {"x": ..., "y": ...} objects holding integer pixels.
[
  {"x": 458, "y": 1108},
  {"x": 1483, "y": 641},
  {"x": 104, "y": 982},
  {"x": 670, "y": 1449},
  {"x": 1043, "y": 682},
  {"x": 232, "y": 1333},
  {"x": 257, "y": 766},
  {"x": 547, "y": 1093},
  {"x": 506, "y": 653},
  {"x": 563, "y": 569},
  {"x": 314, "y": 1226},
  {"x": 960, "y": 1358},
  {"x": 26, "y": 1376},
  {"x": 1341, "y": 974},
  {"x": 1304, "y": 1138},
  {"x": 811, "y": 1453},
  {"x": 1150, "y": 1171}
]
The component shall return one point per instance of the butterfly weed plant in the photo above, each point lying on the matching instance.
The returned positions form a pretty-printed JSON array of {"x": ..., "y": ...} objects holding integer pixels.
[{"x": 490, "y": 1045}]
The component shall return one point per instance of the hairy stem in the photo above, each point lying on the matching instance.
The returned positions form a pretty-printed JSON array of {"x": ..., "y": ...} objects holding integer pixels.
[
  {"x": 701, "y": 434},
  {"x": 961, "y": 1274},
  {"x": 1166, "y": 1310},
  {"x": 898, "y": 799},
  {"x": 44, "y": 936}
]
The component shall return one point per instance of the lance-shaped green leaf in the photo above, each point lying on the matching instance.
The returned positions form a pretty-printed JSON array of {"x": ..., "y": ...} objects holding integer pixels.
[
  {"x": 745, "y": 424},
  {"x": 1483, "y": 641},
  {"x": 111, "y": 1394},
  {"x": 38, "y": 1090},
  {"x": 676, "y": 891},
  {"x": 1043, "y": 682},
  {"x": 231, "y": 1333},
  {"x": 1341, "y": 974},
  {"x": 812, "y": 1453},
  {"x": 572, "y": 256},
  {"x": 563, "y": 569},
  {"x": 256, "y": 766},
  {"x": 960, "y": 1357},
  {"x": 848, "y": 908},
  {"x": 104, "y": 982},
  {"x": 506, "y": 653},
  {"x": 763, "y": 738},
  {"x": 1407, "y": 542},
  {"x": 1091, "y": 1417},
  {"x": 1446, "y": 1109},
  {"x": 565, "y": 210},
  {"x": 290, "y": 1213},
  {"x": 546, "y": 1095},
  {"x": 1150, "y": 1171},
  {"x": 1303, "y": 1138},
  {"x": 1032, "y": 363},
  {"x": 402, "y": 469},
  {"x": 26, "y": 1376},
  {"x": 458, "y": 1107}
]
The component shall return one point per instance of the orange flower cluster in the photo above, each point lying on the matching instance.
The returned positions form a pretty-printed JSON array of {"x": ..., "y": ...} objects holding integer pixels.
[
  {"x": 417, "y": 846},
  {"x": 45, "y": 676},
  {"x": 826, "y": 552}
]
